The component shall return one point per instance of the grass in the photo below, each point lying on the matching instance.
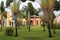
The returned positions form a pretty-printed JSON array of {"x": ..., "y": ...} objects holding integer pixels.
[{"x": 35, "y": 34}]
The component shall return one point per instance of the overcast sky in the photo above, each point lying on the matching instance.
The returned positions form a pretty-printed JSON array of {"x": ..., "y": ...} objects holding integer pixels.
[
  {"x": 38, "y": 1},
  {"x": 35, "y": 4}
]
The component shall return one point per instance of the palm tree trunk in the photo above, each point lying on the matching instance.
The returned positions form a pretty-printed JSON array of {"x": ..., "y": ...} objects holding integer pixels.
[
  {"x": 16, "y": 34},
  {"x": 1, "y": 22},
  {"x": 1, "y": 26},
  {"x": 44, "y": 26},
  {"x": 29, "y": 21},
  {"x": 53, "y": 27},
  {"x": 16, "y": 28},
  {"x": 29, "y": 27},
  {"x": 50, "y": 35}
]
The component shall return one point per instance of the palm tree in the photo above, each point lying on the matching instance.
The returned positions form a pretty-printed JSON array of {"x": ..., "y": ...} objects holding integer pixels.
[
  {"x": 44, "y": 21},
  {"x": 52, "y": 20},
  {"x": 48, "y": 7},
  {"x": 0, "y": 20},
  {"x": 30, "y": 11},
  {"x": 15, "y": 11}
]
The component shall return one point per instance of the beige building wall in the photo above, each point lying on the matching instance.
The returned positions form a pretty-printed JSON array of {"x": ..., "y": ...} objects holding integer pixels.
[
  {"x": 9, "y": 19},
  {"x": 0, "y": 16},
  {"x": 56, "y": 20}
]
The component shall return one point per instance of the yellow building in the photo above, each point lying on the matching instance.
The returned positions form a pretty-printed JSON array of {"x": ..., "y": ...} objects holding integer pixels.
[
  {"x": 56, "y": 20},
  {"x": 9, "y": 19}
]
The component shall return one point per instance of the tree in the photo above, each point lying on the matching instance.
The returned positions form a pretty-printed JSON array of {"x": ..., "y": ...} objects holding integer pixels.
[
  {"x": 52, "y": 20},
  {"x": 8, "y": 2},
  {"x": 21, "y": 14},
  {"x": 30, "y": 11},
  {"x": 32, "y": 0},
  {"x": 57, "y": 6},
  {"x": 33, "y": 11},
  {"x": 2, "y": 7},
  {"x": 15, "y": 11},
  {"x": 23, "y": 0},
  {"x": 5, "y": 14},
  {"x": 2, "y": 13},
  {"x": 0, "y": 20},
  {"x": 44, "y": 21},
  {"x": 48, "y": 7}
]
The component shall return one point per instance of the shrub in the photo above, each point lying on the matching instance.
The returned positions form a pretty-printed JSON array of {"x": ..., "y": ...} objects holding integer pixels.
[
  {"x": 57, "y": 25},
  {"x": 9, "y": 31}
]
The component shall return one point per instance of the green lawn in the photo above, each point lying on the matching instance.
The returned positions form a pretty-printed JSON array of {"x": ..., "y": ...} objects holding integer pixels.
[{"x": 35, "y": 34}]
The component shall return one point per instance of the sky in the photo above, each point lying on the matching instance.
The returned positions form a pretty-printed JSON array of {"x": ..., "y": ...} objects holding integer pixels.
[
  {"x": 4, "y": 2},
  {"x": 35, "y": 4},
  {"x": 38, "y": 1},
  {"x": 57, "y": 0}
]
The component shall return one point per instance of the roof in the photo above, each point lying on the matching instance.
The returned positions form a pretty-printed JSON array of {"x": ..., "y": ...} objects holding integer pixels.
[{"x": 35, "y": 16}]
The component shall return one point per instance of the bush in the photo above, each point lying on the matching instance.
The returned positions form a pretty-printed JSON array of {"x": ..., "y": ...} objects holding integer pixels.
[
  {"x": 57, "y": 25},
  {"x": 9, "y": 31}
]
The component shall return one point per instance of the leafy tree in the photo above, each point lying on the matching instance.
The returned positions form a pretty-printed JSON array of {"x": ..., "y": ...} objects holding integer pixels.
[
  {"x": 21, "y": 14},
  {"x": 32, "y": 10},
  {"x": 2, "y": 13},
  {"x": 8, "y": 2},
  {"x": 57, "y": 6},
  {"x": 23, "y": 0},
  {"x": 11, "y": 1},
  {"x": 2, "y": 7},
  {"x": 32, "y": 0}
]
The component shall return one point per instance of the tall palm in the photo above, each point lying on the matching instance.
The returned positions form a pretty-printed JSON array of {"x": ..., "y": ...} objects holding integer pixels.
[
  {"x": 15, "y": 11},
  {"x": 48, "y": 7},
  {"x": 30, "y": 11},
  {"x": 44, "y": 21},
  {"x": 52, "y": 22}
]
